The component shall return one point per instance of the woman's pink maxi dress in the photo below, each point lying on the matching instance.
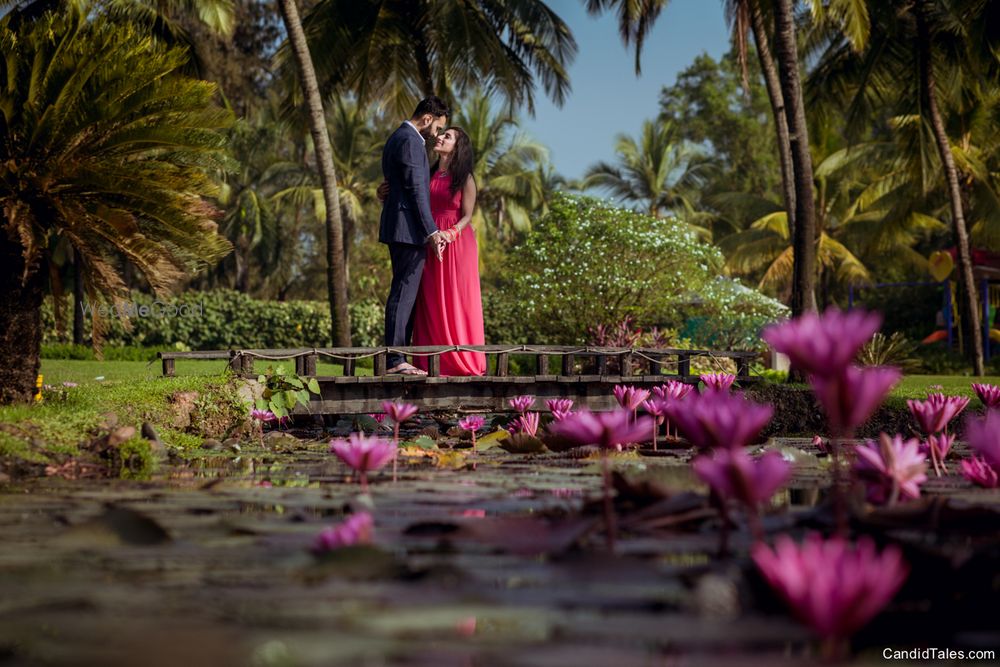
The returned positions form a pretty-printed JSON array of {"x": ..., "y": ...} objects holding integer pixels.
[{"x": 449, "y": 309}]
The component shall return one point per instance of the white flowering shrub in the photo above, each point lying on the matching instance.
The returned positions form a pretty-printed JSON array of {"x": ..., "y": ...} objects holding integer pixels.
[{"x": 588, "y": 263}]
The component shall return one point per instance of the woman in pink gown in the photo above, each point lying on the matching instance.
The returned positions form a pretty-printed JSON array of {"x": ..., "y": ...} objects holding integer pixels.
[{"x": 449, "y": 308}]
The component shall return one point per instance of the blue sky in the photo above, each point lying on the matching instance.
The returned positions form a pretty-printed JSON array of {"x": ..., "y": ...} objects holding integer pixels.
[{"x": 607, "y": 98}]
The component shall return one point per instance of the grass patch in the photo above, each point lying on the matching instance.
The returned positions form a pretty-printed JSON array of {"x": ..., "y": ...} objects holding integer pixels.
[
  {"x": 918, "y": 386},
  {"x": 57, "y": 371},
  {"x": 53, "y": 429}
]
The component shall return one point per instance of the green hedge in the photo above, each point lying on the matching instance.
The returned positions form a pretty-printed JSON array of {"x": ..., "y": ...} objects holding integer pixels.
[{"x": 221, "y": 319}]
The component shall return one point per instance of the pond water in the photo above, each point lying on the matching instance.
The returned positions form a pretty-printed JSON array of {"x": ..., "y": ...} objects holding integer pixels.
[{"x": 496, "y": 559}]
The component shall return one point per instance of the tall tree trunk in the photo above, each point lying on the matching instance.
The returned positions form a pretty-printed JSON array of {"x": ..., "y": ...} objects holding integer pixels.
[
  {"x": 773, "y": 85},
  {"x": 336, "y": 271},
  {"x": 804, "y": 237},
  {"x": 20, "y": 324},
  {"x": 77, "y": 299},
  {"x": 967, "y": 282}
]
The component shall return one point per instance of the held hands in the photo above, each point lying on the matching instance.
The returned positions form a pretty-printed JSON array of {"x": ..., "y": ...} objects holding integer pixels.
[
  {"x": 383, "y": 191},
  {"x": 438, "y": 242}
]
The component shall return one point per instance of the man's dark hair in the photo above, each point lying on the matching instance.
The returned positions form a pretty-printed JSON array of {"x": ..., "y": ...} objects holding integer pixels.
[{"x": 435, "y": 106}]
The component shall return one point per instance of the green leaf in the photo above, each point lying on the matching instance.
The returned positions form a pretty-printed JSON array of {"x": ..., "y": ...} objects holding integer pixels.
[
  {"x": 295, "y": 382},
  {"x": 261, "y": 404},
  {"x": 423, "y": 442},
  {"x": 291, "y": 398},
  {"x": 313, "y": 386},
  {"x": 303, "y": 396}
]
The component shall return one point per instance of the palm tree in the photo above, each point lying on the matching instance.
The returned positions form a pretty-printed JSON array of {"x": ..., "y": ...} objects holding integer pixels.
[
  {"x": 657, "y": 172},
  {"x": 105, "y": 146},
  {"x": 748, "y": 15},
  {"x": 804, "y": 234},
  {"x": 917, "y": 56},
  {"x": 396, "y": 51},
  {"x": 510, "y": 167},
  {"x": 336, "y": 270}
]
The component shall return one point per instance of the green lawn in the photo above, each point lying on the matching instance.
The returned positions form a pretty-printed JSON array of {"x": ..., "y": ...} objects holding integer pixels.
[
  {"x": 917, "y": 386},
  {"x": 57, "y": 371}
]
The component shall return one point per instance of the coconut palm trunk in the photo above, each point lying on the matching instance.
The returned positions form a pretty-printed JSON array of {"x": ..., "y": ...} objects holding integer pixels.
[
  {"x": 20, "y": 323},
  {"x": 961, "y": 234},
  {"x": 773, "y": 85},
  {"x": 336, "y": 270},
  {"x": 804, "y": 234}
]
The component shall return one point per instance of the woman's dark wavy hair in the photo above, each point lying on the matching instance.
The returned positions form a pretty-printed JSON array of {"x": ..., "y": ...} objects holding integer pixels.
[{"x": 462, "y": 160}]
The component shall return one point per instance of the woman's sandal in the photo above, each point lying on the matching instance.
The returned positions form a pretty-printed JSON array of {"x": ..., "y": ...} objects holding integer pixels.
[{"x": 405, "y": 369}]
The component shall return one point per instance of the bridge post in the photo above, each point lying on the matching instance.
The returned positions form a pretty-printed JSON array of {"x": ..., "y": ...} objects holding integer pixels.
[
  {"x": 683, "y": 364},
  {"x": 434, "y": 365},
  {"x": 568, "y": 361},
  {"x": 309, "y": 363},
  {"x": 503, "y": 362},
  {"x": 626, "y": 362},
  {"x": 379, "y": 363},
  {"x": 349, "y": 366},
  {"x": 168, "y": 368},
  {"x": 542, "y": 364}
]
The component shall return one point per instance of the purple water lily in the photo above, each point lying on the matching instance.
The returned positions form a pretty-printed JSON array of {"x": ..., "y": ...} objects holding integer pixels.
[
  {"x": 559, "y": 407},
  {"x": 717, "y": 381},
  {"x": 989, "y": 394},
  {"x": 850, "y": 397},
  {"x": 984, "y": 437},
  {"x": 526, "y": 423},
  {"x": 980, "y": 473},
  {"x": 831, "y": 586},
  {"x": 936, "y": 412},
  {"x": 262, "y": 416},
  {"x": 522, "y": 403},
  {"x": 822, "y": 345},
  {"x": 673, "y": 390},
  {"x": 733, "y": 474},
  {"x": 937, "y": 447},
  {"x": 717, "y": 419},
  {"x": 892, "y": 468},
  {"x": 630, "y": 397},
  {"x": 607, "y": 430},
  {"x": 399, "y": 412},
  {"x": 657, "y": 409}
]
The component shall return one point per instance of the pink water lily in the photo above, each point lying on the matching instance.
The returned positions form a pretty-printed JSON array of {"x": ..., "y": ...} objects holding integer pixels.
[
  {"x": 559, "y": 407},
  {"x": 526, "y": 423},
  {"x": 262, "y": 416},
  {"x": 732, "y": 474},
  {"x": 936, "y": 412},
  {"x": 984, "y": 437},
  {"x": 937, "y": 448},
  {"x": 718, "y": 419},
  {"x": 399, "y": 412},
  {"x": 357, "y": 529},
  {"x": 892, "y": 468},
  {"x": 607, "y": 430},
  {"x": 379, "y": 417},
  {"x": 989, "y": 394},
  {"x": 851, "y": 397},
  {"x": 522, "y": 403},
  {"x": 472, "y": 423},
  {"x": 657, "y": 409},
  {"x": 673, "y": 390},
  {"x": 822, "y": 345},
  {"x": 630, "y": 397},
  {"x": 718, "y": 381},
  {"x": 831, "y": 586},
  {"x": 821, "y": 444},
  {"x": 364, "y": 453},
  {"x": 980, "y": 473}
]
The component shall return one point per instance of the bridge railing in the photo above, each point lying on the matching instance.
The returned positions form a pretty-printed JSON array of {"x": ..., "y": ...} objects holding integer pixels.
[{"x": 547, "y": 361}]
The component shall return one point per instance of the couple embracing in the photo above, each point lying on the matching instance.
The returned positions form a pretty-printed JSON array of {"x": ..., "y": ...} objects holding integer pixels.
[{"x": 426, "y": 221}]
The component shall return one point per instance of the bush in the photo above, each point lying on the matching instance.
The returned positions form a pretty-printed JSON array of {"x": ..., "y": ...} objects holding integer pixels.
[
  {"x": 218, "y": 319},
  {"x": 587, "y": 263}
]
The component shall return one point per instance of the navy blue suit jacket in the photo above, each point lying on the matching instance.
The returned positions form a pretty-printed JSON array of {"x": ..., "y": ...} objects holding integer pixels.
[{"x": 406, "y": 212}]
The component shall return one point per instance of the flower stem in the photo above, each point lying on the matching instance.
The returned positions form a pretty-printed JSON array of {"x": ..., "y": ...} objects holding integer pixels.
[
  {"x": 609, "y": 510},
  {"x": 395, "y": 453},
  {"x": 839, "y": 501}
]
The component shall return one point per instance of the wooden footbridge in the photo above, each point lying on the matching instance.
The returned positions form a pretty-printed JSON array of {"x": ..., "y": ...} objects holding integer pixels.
[{"x": 584, "y": 374}]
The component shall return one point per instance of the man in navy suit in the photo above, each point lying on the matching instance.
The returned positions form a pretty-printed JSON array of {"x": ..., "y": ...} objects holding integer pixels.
[{"x": 407, "y": 226}]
